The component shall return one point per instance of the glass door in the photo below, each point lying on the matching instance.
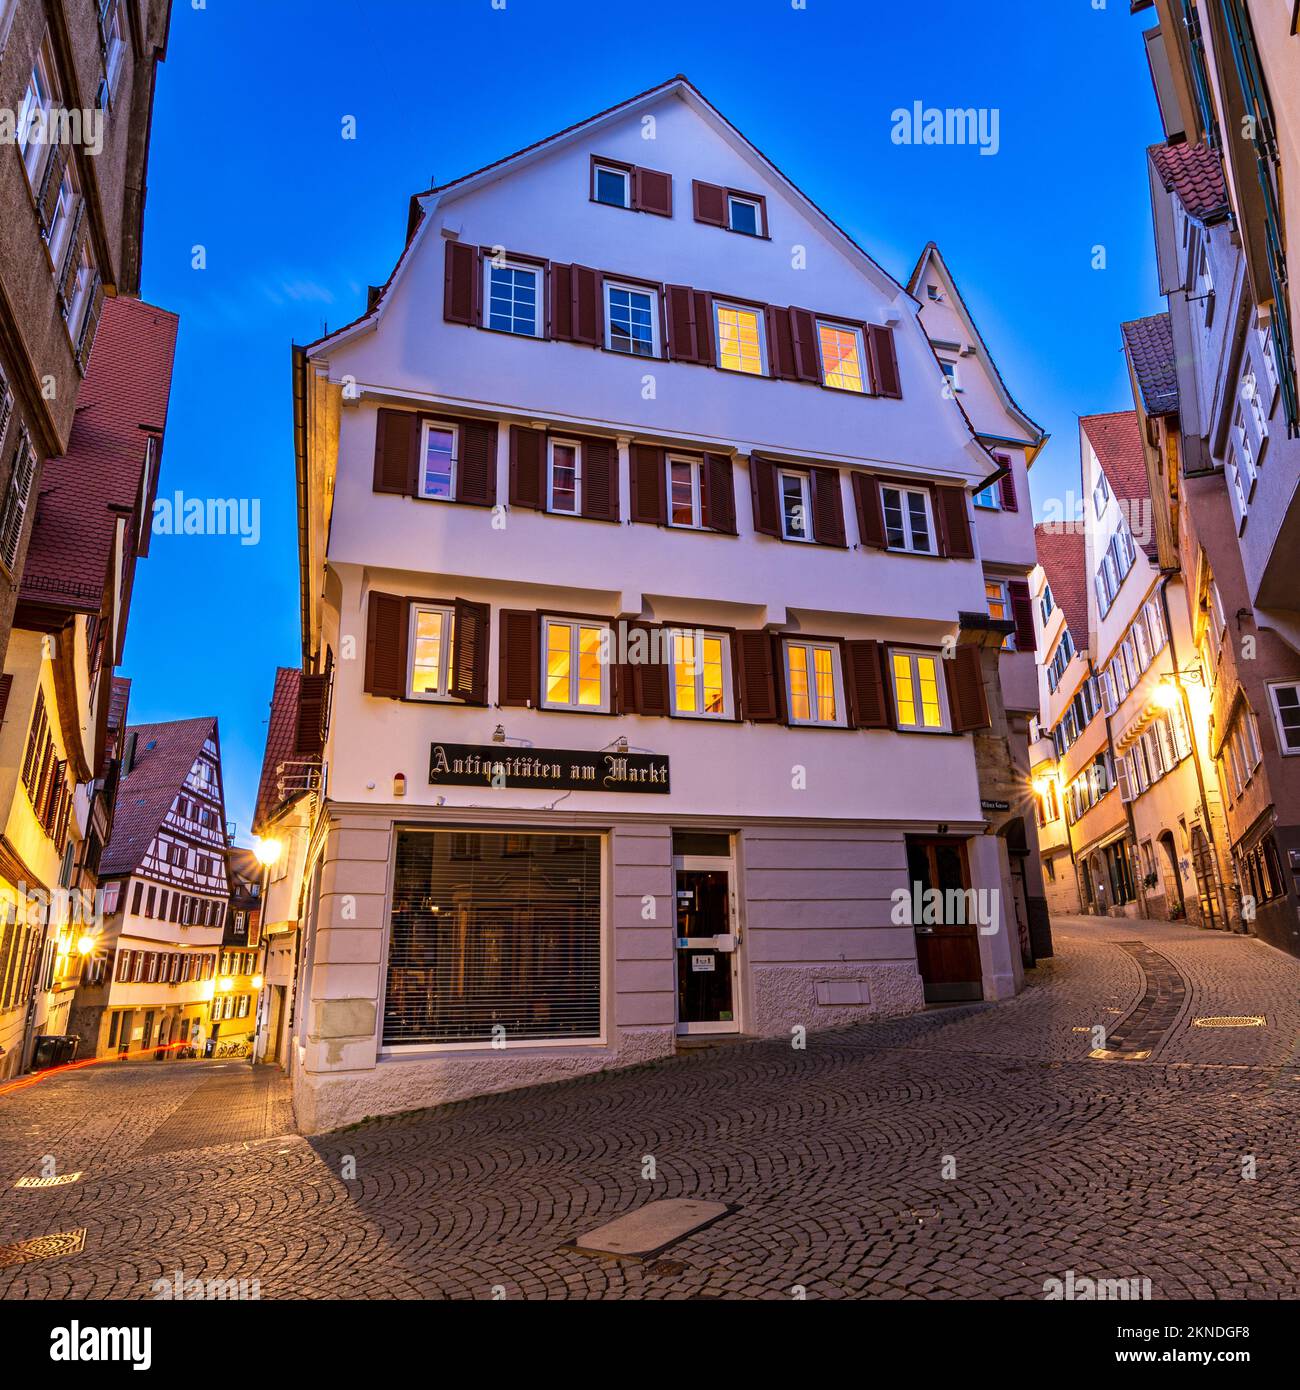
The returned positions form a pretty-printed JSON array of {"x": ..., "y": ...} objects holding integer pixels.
[{"x": 706, "y": 946}]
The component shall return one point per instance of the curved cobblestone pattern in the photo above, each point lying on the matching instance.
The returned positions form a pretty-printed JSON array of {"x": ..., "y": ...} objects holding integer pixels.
[{"x": 834, "y": 1155}]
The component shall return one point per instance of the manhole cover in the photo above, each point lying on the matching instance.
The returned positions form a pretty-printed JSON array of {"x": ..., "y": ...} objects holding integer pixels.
[
  {"x": 1231, "y": 1021},
  {"x": 48, "y": 1182},
  {"x": 42, "y": 1248}
]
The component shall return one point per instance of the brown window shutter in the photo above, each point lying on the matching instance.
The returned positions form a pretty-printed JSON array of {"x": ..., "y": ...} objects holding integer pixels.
[
  {"x": 953, "y": 522},
  {"x": 652, "y": 191},
  {"x": 460, "y": 287},
  {"x": 705, "y": 355},
  {"x": 758, "y": 700},
  {"x": 762, "y": 489},
  {"x": 868, "y": 690},
  {"x": 827, "y": 507},
  {"x": 518, "y": 671},
  {"x": 6, "y": 684},
  {"x": 1022, "y": 612},
  {"x": 623, "y": 673},
  {"x": 966, "y": 700},
  {"x": 51, "y": 181},
  {"x": 649, "y": 486},
  {"x": 884, "y": 361},
  {"x": 780, "y": 343},
  {"x": 807, "y": 363},
  {"x": 313, "y": 695},
  {"x": 561, "y": 315},
  {"x": 469, "y": 652},
  {"x": 710, "y": 203},
  {"x": 388, "y": 627},
  {"x": 600, "y": 479},
  {"x": 651, "y": 677},
  {"x": 587, "y": 310},
  {"x": 476, "y": 468},
  {"x": 683, "y": 344},
  {"x": 1007, "y": 486},
  {"x": 718, "y": 499},
  {"x": 397, "y": 452},
  {"x": 871, "y": 517},
  {"x": 527, "y": 467}
]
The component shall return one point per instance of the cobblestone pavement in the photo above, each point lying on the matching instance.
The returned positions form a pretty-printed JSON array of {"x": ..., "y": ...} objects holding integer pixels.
[{"x": 834, "y": 1156}]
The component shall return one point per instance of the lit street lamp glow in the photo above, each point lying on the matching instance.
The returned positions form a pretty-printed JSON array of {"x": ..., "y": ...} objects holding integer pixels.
[{"x": 266, "y": 850}]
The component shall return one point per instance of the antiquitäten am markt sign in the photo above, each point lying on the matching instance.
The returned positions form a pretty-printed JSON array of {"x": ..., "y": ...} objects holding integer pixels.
[{"x": 549, "y": 769}]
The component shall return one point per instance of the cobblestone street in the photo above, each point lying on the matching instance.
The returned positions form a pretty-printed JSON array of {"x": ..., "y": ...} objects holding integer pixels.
[{"x": 833, "y": 1157}]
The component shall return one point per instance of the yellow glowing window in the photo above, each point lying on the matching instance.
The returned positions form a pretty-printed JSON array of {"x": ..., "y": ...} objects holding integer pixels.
[
  {"x": 740, "y": 349},
  {"x": 841, "y": 357},
  {"x": 699, "y": 674},
  {"x": 575, "y": 671},
  {"x": 810, "y": 683},
  {"x": 997, "y": 600},
  {"x": 916, "y": 691},
  {"x": 430, "y": 650}
]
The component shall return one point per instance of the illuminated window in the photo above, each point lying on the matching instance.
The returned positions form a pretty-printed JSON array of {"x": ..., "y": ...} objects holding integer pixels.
[
  {"x": 795, "y": 512},
  {"x": 430, "y": 650},
  {"x": 564, "y": 478},
  {"x": 684, "y": 492},
  {"x": 841, "y": 356},
  {"x": 918, "y": 692},
  {"x": 740, "y": 339},
  {"x": 701, "y": 674},
  {"x": 574, "y": 675},
  {"x": 813, "y": 683},
  {"x": 995, "y": 590},
  {"x": 908, "y": 524},
  {"x": 631, "y": 320},
  {"x": 438, "y": 461}
]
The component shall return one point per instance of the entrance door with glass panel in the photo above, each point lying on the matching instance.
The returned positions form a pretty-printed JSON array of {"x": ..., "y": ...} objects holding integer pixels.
[{"x": 706, "y": 945}]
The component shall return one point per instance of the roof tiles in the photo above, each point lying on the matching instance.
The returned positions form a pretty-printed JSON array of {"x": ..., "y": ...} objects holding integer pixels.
[
  {"x": 281, "y": 739},
  {"x": 1194, "y": 173},
  {"x": 1149, "y": 343}
]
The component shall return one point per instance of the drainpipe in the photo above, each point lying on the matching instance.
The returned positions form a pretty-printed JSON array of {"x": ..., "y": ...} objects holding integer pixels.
[{"x": 1196, "y": 752}]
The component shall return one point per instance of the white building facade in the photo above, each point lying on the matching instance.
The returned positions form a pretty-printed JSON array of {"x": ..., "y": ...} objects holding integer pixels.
[{"x": 637, "y": 528}]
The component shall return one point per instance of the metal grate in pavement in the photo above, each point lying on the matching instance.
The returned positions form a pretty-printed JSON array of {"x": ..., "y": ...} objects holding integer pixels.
[
  {"x": 42, "y": 1248},
  {"x": 59, "y": 1181},
  {"x": 1231, "y": 1021}
]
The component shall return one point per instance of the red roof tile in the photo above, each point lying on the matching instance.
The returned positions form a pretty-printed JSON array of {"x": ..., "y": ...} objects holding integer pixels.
[
  {"x": 281, "y": 739},
  {"x": 1061, "y": 553},
  {"x": 123, "y": 398},
  {"x": 1194, "y": 173},
  {"x": 1149, "y": 343},
  {"x": 146, "y": 793},
  {"x": 118, "y": 701},
  {"x": 1116, "y": 439}
]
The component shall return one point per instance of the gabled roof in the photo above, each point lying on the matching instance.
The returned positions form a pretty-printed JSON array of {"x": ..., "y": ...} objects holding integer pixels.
[
  {"x": 1194, "y": 174},
  {"x": 1037, "y": 435},
  {"x": 164, "y": 754},
  {"x": 1116, "y": 439},
  {"x": 1149, "y": 344},
  {"x": 123, "y": 400},
  {"x": 281, "y": 739},
  {"x": 679, "y": 86},
  {"x": 1063, "y": 556}
]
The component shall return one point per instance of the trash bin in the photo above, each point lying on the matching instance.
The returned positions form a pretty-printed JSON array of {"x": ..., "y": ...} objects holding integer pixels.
[{"x": 54, "y": 1050}]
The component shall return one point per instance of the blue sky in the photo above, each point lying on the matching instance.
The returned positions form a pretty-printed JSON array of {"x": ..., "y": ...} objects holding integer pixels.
[{"x": 248, "y": 161}]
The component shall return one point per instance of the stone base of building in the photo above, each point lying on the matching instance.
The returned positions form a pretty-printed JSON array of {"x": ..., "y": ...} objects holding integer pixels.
[{"x": 326, "y": 1101}]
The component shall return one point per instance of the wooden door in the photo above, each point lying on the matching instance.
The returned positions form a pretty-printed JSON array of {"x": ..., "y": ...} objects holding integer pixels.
[{"x": 947, "y": 947}]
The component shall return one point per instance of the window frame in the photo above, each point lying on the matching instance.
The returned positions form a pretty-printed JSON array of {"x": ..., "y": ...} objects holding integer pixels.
[
  {"x": 989, "y": 499},
  {"x": 1004, "y": 601},
  {"x": 426, "y": 425},
  {"x": 576, "y": 446},
  {"x": 42, "y": 68},
  {"x": 861, "y": 339},
  {"x": 605, "y": 166},
  {"x": 760, "y": 324},
  {"x": 697, "y": 491},
  {"x": 512, "y": 263},
  {"x": 760, "y": 215},
  {"x": 701, "y": 634},
  {"x": 1273, "y": 687},
  {"x": 913, "y": 654},
  {"x": 448, "y": 613},
  {"x": 575, "y": 626},
  {"x": 805, "y": 485},
  {"x": 811, "y": 645},
  {"x": 927, "y": 501},
  {"x": 954, "y": 377},
  {"x": 656, "y": 334}
]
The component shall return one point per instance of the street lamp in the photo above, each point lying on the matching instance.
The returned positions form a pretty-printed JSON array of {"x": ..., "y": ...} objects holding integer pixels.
[{"x": 267, "y": 851}]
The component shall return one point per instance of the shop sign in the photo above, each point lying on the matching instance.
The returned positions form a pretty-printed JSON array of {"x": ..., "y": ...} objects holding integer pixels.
[{"x": 549, "y": 769}]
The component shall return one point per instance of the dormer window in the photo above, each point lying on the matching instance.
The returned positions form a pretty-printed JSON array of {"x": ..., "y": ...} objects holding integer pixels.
[
  {"x": 612, "y": 186},
  {"x": 950, "y": 372}
]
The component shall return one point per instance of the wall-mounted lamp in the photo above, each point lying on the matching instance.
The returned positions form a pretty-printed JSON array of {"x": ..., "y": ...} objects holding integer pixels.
[{"x": 499, "y": 734}]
